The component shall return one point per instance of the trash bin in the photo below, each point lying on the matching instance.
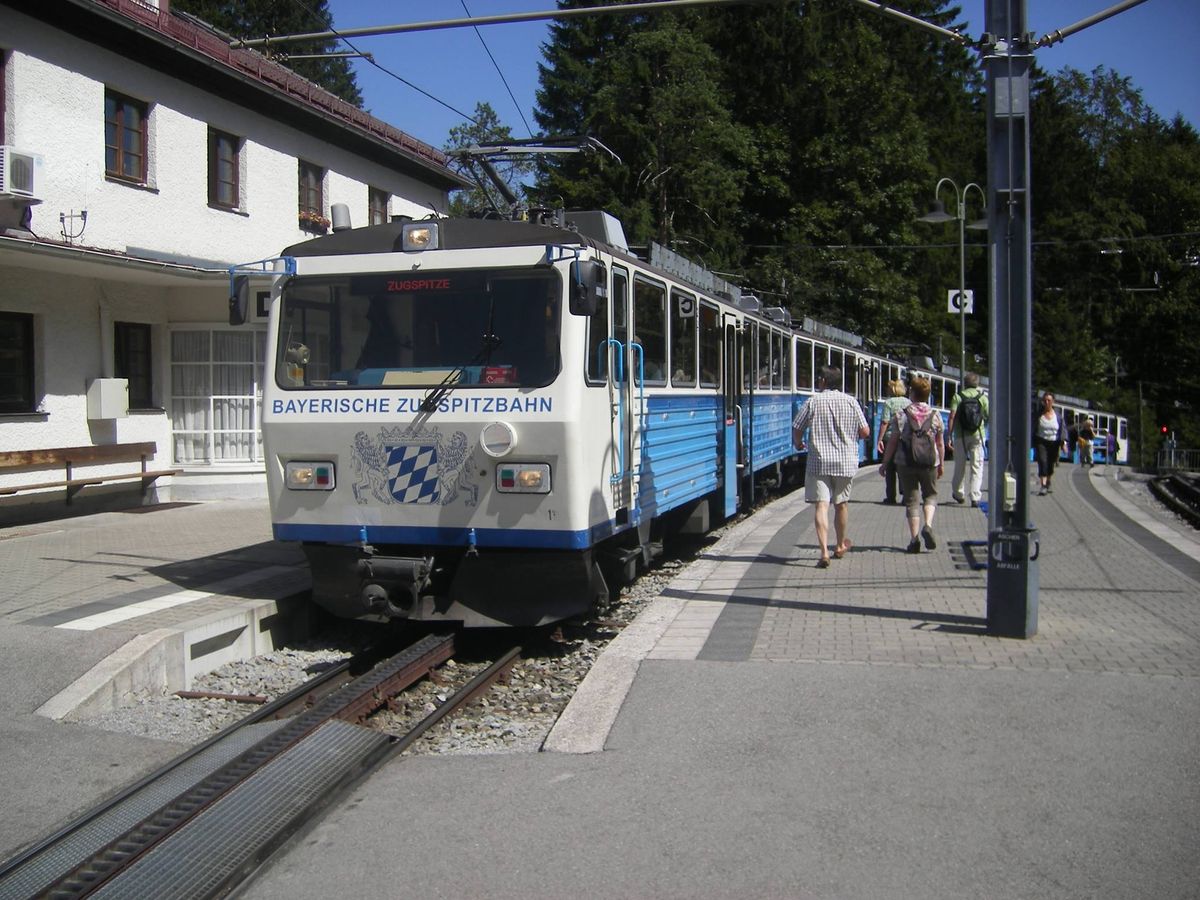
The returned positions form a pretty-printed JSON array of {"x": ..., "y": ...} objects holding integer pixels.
[{"x": 1012, "y": 582}]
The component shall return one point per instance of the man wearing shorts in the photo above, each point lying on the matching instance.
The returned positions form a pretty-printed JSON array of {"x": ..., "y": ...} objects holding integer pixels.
[{"x": 835, "y": 423}]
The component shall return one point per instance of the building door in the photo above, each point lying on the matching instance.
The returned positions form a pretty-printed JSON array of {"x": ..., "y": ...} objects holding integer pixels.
[{"x": 216, "y": 394}]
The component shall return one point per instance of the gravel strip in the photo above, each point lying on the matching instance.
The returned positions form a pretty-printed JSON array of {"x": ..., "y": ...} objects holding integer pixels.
[{"x": 515, "y": 716}]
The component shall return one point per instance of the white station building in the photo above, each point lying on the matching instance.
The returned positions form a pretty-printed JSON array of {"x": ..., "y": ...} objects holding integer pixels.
[{"x": 140, "y": 157}]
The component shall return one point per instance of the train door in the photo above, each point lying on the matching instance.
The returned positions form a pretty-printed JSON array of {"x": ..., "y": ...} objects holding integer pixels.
[
  {"x": 648, "y": 370},
  {"x": 734, "y": 450},
  {"x": 623, "y": 386}
]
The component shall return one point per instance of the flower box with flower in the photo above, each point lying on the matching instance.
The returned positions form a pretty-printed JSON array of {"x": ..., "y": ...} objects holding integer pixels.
[{"x": 311, "y": 220}]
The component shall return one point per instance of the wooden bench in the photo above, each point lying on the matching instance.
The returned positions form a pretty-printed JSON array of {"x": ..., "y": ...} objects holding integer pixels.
[{"x": 70, "y": 457}]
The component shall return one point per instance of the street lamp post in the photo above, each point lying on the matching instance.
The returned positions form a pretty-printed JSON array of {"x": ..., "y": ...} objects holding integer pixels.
[{"x": 939, "y": 214}]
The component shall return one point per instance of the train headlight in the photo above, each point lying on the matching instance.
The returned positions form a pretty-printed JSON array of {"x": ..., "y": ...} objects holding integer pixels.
[
  {"x": 523, "y": 478},
  {"x": 498, "y": 439},
  {"x": 309, "y": 476},
  {"x": 419, "y": 236}
]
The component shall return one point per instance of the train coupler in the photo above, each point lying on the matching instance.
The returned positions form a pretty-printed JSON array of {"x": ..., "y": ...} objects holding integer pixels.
[{"x": 392, "y": 585}]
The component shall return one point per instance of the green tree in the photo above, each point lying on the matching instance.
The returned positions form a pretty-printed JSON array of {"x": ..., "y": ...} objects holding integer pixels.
[
  {"x": 782, "y": 140},
  {"x": 485, "y": 197},
  {"x": 262, "y": 18},
  {"x": 1116, "y": 208},
  {"x": 651, "y": 97},
  {"x": 835, "y": 124}
]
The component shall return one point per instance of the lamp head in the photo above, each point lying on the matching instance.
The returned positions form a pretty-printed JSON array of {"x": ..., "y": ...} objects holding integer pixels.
[{"x": 936, "y": 214}]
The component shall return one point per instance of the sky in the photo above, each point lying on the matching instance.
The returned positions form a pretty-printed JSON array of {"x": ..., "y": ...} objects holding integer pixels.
[{"x": 1156, "y": 45}]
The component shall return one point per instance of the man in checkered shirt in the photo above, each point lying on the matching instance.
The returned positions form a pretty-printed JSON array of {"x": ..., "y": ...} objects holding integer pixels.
[{"x": 834, "y": 422}]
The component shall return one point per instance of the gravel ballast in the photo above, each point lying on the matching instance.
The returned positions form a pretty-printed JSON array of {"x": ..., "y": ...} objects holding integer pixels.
[{"x": 514, "y": 716}]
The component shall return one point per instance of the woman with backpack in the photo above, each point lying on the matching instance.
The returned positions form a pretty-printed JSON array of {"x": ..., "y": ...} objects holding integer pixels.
[
  {"x": 916, "y": 443},
  {"x": 968, "y": 418},
  {"x": 892, "y": 405}
]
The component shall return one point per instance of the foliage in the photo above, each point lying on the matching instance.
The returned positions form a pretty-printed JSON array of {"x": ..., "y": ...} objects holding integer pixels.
[
  {"x": 262, "y": 18},
  {"x": 796, "y": 143},
  {"x": 1117, "y": 229},
  {"x": 485, "y": 198}
]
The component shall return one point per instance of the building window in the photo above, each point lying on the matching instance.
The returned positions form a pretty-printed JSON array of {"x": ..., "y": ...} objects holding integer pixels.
[
  {"x": 223, "y": 164},
  {"x": 131, "y": 347},
  {"x": 216, "y": 394},
  {"x": 377, "y": 206},
  {"x": 124, "y": 137},
  {"x": 312, "y": 198},
  {"x": 16, "y": 363}
]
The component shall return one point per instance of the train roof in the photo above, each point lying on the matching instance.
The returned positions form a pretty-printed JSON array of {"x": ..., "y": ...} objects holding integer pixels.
[{"x": 453, "y": 234}]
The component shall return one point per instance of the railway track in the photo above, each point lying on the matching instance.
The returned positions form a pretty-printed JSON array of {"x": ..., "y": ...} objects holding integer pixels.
[
  {"x": 201, "y": 824},
  {"x": 1181, "y": 493}
]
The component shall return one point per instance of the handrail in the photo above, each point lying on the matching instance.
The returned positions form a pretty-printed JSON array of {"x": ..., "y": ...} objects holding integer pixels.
[
  {"x": 737, "y": 416},
  {"x": 619, "y": 356},
  {"x": 641, "y": 386}
]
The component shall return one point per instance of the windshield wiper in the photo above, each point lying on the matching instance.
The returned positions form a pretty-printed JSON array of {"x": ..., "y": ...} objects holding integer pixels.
[{"x": 490, "y": 343}]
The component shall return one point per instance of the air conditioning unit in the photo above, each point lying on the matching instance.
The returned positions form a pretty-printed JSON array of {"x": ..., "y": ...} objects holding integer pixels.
[{"x": 20, "y": 174}]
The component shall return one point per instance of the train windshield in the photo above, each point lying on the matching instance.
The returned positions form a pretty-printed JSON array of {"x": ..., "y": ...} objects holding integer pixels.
[{"x": 420, "y": 329}]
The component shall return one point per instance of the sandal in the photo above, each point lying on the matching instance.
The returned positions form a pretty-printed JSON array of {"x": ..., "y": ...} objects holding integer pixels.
[
  {"x": 841, "y": 551},
  {"x": 823, "y": 562}
]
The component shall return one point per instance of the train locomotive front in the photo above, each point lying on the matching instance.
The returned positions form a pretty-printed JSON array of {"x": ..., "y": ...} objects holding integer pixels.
[{"x": 424, "y": 422}]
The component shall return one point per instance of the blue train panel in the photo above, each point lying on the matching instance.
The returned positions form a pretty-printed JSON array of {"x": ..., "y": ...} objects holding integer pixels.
[{"x": 680, "y": 459}]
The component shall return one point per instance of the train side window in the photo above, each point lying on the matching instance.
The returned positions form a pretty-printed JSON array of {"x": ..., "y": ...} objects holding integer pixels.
[
  {"x": 597, "y": 351},
  {"x": 820, "y": 356},
  {"x": 786, "y": 356},
  {"x": 650, "y": 329},
  {"x": 764, "y": 357},
  {"x": 710, "y": 345},
  {"x": 850, "y": 375},
  {"x": 804, "y": 365},
  {"x": 620, "y": 313},
  {"x": 749, "y": 350},
  {"x": 777, "y": 359},
  {"x": 683, "y": 339},
  {"x": 837, "y": 359}
]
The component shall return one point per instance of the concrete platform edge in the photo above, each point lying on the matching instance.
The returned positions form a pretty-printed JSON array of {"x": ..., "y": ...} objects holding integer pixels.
[
  {"x": 584, "y": 725},
  {"x": 170, "y": 659}
]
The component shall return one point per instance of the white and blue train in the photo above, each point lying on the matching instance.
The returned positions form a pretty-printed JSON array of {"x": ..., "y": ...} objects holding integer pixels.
[{"x": 495, "y": 423}]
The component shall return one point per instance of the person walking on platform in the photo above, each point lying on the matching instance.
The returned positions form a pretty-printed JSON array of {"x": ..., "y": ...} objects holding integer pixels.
[
  {"x": 892, "y": 405},
  {"x": 968, "y": 419},
  {"x": 835, "y": 423},
  {"x": 916, "y": 443},
  {"x": 1049, "y": 440},
  {"x": 1087, "y": 434}
]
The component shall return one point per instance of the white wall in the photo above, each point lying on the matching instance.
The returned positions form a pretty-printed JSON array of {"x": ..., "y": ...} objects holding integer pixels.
[
  {"x": 69, "y": 352},
  {"x": 57, "y": 86},
  {"x": 54, "y": 106}
]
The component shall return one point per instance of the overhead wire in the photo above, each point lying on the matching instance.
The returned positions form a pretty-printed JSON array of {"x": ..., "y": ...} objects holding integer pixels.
[
  {"x": 487, "y": 50},
  {"x": 371, "y": 59}
]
